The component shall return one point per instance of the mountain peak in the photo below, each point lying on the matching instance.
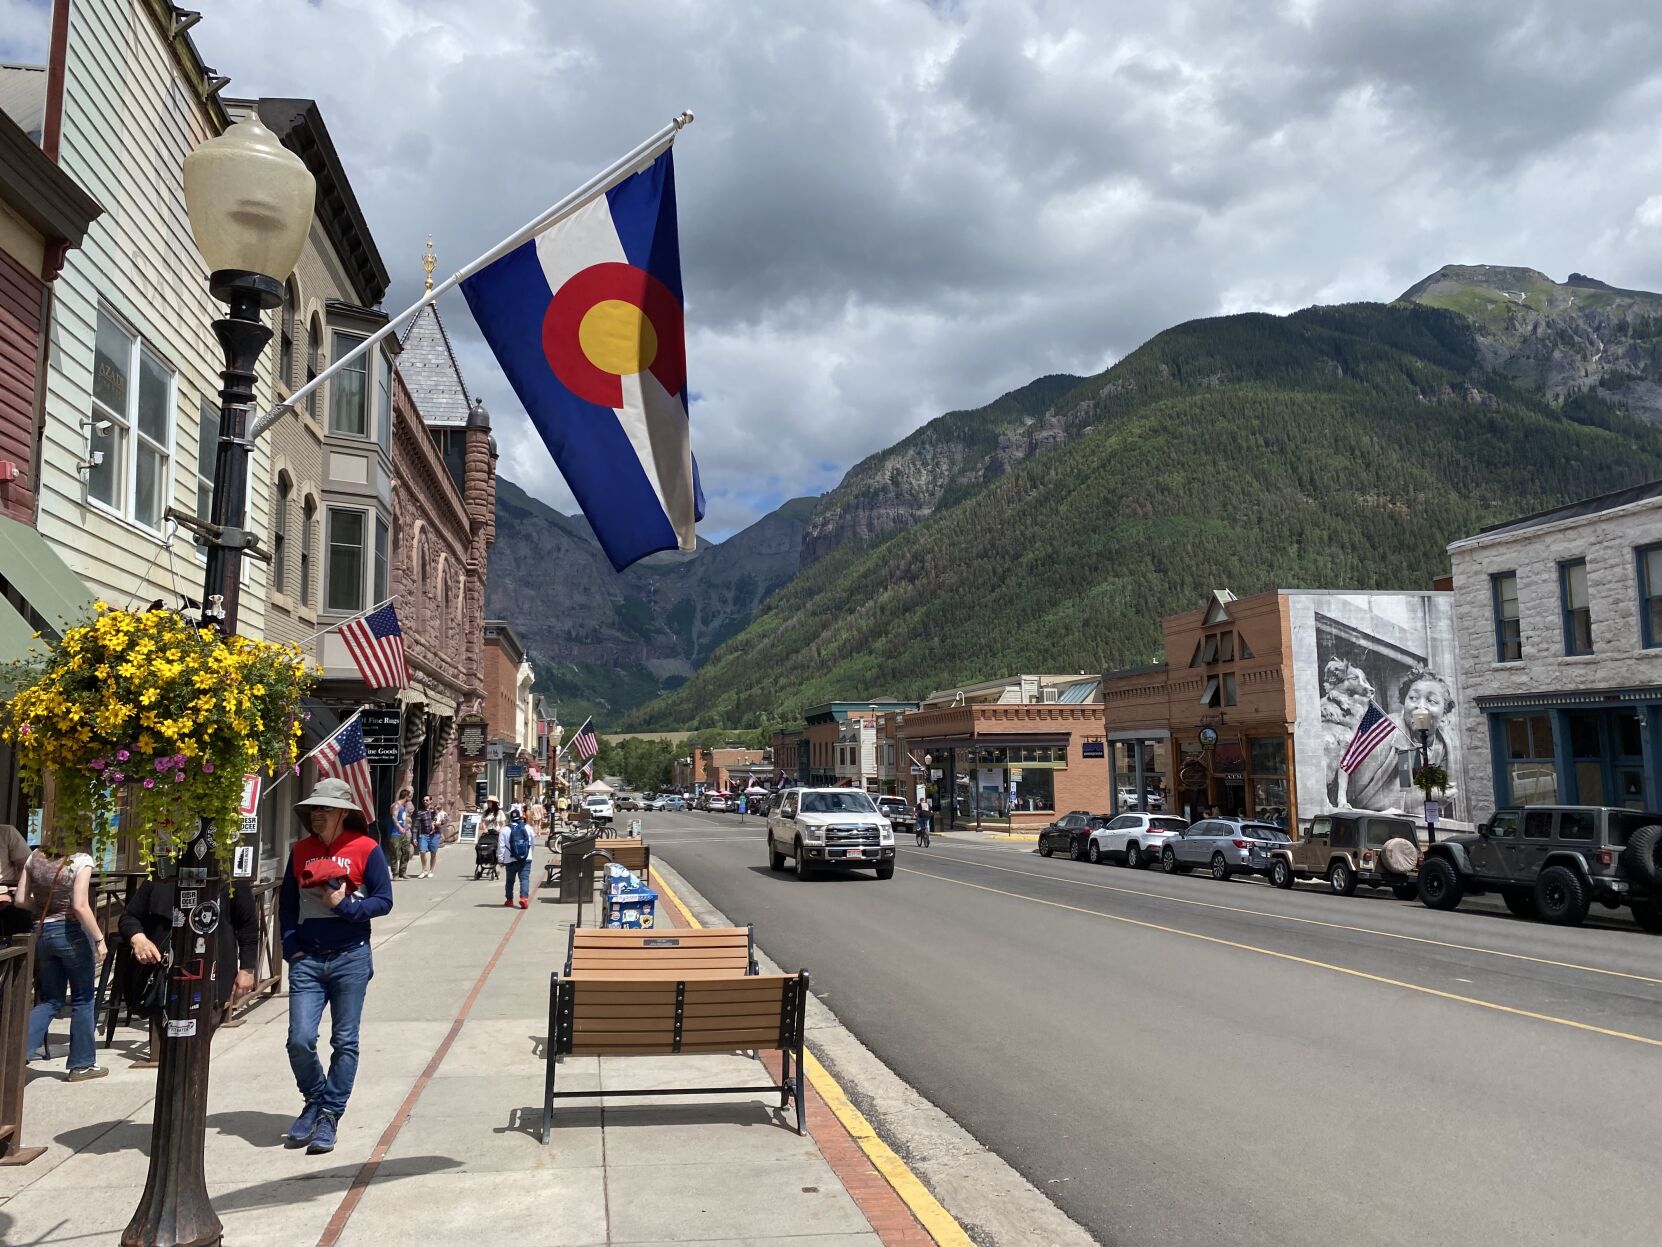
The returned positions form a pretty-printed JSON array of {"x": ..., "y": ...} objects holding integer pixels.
[{"x": 1498, "y": 277}]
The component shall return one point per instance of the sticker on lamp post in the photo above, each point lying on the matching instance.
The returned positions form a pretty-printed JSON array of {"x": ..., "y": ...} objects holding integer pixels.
[{"x": 1433, "y": 811}]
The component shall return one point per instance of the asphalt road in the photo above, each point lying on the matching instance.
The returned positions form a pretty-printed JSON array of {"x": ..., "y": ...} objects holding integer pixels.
[{"x": 1179, "y": 1061}]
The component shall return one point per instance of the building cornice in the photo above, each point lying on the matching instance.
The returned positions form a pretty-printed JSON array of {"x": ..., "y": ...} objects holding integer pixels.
[{"x": 37, "y": 190}]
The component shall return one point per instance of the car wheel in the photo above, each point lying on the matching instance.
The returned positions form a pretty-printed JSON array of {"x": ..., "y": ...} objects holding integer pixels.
[
  {"x": 886, "y": 871},
  {"x": 1168, "y": 861},
  {"x": 803, "y": 870},
  {"x": 1133, "y": 855},
  {"x": 1405, "y": 891},
  {"x": 1093, "y": 854},
  {"x": 1440, "y": 884},
  {"x": 1560, "y": 896},
  {"x": 776, "y": 859},
  {"x": 1281, "y": 874},
  {"x": 1648, "y": 914},
  {"x": 1341, "y": 879},
  {"x": 1220, "y": 868},
  {"x": 1520, "y": 902},
  {"x": 1044, "y": 845},
  {"x": 1076, "y": 851}
]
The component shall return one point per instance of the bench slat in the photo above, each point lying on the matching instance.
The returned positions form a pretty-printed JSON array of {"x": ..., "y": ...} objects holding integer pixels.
[
  {"x": 614, "y": 935},
  {"x": 660, "y": 974},
  {"x": 697, "y": 952}
]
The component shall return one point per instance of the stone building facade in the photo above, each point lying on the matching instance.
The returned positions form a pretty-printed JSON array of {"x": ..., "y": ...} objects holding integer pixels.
[{"x": 1559, "y": 618}]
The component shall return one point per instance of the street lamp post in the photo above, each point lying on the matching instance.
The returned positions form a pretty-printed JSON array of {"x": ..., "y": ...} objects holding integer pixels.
[
  {"x": 1422, "y": 721},
  {"x": 250, "y": 205}
]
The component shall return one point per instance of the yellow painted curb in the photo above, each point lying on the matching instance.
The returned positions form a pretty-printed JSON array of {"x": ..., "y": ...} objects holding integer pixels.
[{"x": 937, "y": 1222}]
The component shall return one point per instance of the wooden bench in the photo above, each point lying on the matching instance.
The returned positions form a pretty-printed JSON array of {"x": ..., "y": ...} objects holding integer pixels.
[
  {"x": 660, "y": 953},
  {"x": 627, "y": 851},
  {"x": 661, "y": 1017}
]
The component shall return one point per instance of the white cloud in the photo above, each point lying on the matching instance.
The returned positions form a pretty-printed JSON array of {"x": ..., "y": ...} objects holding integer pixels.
[{"x": 893, "y": 209}]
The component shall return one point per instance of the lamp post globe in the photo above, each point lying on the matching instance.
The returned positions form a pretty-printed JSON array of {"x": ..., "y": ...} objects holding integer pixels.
[{"x": 249, "y": 201}]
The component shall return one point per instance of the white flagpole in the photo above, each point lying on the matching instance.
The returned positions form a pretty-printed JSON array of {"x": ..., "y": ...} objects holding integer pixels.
[
  {"x": 349, "y": 619},
  {"x": 596, "y": 186}
]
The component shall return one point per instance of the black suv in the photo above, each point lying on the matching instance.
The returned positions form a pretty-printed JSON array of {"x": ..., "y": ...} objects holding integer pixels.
[{"x": 1552, "y": 862}]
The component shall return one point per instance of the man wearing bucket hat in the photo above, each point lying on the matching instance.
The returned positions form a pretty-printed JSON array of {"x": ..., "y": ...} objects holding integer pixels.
[{"x": 337, "y": 880}]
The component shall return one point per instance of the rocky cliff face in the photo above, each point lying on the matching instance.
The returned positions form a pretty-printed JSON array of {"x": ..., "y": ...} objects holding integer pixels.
[
  {"x": 1561, "y": 338},
  {"x": 603, "y": 641},
  {"x": 898, "y": 487}
]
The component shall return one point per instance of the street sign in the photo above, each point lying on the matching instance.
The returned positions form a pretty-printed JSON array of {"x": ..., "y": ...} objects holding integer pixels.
[
  {"x": 514, "y": 770},
  {"x": 471, "y": 739},
  {"x": 1092, "y": 749},
  {"x": 382, "y": 726},
  {"x": 494, "y": 751},
  {"x": 250, "y": 794},
  {"x": 1208, "y": 735}
]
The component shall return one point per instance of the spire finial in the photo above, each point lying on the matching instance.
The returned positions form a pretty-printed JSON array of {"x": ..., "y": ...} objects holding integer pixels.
[{"x": 429, "y": 262}]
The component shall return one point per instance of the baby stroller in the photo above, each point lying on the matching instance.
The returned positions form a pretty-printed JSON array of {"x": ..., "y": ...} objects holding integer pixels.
[{"x": 484, "y": 854}]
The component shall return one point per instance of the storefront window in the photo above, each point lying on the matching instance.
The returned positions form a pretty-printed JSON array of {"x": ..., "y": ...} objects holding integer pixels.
[
  {"x": 1035, "y": 791},
  {"x": 1269, "y": 799},
  {"x": 1269, "y": 755},
  {"x": 1530, "y": 774}
]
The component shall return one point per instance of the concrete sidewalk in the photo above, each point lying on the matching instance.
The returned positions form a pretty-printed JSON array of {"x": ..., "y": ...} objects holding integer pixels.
[{"x": 441, "y": 1135}]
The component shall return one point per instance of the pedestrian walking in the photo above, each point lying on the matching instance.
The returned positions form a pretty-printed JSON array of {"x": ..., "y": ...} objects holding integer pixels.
[
  {"x": 399, "y": 837},
  {"x": 429, "y": 831},
  {"x": 68, "y": 951},
  {"x": 14, "y": 856},
  {"x": 516, "y": 844},
  {"x": 336, "y": 882}
]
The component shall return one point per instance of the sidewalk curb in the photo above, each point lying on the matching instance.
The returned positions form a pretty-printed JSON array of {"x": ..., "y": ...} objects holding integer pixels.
[{"x": 986, "y": 1199}]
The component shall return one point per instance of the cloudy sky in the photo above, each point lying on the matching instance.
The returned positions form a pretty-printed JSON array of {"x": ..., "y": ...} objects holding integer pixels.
[{"x": 893, "y": 209}]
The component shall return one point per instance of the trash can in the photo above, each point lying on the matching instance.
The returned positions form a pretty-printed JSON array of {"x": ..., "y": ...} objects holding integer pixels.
[{"x": 576, "y": 875}]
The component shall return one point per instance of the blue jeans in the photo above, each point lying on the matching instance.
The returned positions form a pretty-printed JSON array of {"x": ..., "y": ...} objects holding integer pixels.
[
  {"x": 338, "y": 980},
  {"x": 63, "y": 959},
  {"x": 520, "y": 870}
]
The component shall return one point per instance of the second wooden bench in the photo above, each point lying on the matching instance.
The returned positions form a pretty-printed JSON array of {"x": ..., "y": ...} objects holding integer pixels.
[{"x": 660, "y": 953}]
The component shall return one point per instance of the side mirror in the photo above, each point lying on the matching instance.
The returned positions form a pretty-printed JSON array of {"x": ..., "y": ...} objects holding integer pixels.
[{"x": 1483, "y": 830}]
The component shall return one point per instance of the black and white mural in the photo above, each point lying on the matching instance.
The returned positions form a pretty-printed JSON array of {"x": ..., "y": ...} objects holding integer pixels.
[{"x": 1396, "y": 651}]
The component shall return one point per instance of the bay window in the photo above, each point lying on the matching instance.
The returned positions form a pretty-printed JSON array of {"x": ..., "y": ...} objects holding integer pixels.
[
  {"x": 349, "y": 389},
  {"x": 343, "y": 576}
]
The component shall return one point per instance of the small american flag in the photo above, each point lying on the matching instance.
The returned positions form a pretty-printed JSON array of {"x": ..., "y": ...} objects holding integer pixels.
[
  {"x": 343, "y": 756},
  {"x": 377, "y": 645},
  {"x": 586, "y": 743},
  {"x": 588, "y": 769},
  {"x": 1374, "y": 730}
]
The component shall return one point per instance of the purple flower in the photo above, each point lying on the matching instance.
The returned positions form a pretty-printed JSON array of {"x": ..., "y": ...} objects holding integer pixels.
[
  {"x": 121, "y": 755},
  {"x": 178, "y": 777},
  {"x": 163, "y": 763},
  {"x": 149, "y": 783},
  {"x": 207, "y": 768},
  {"x": 116, "y": 777},
  {"x": 98, "y": 764},
  {"x": 297, "y": 768}
]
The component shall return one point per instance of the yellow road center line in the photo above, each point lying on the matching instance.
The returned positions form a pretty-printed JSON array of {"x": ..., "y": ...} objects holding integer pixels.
[
  {"x": 932, "y": 1216},
  {"x": 1304, "y": 961},
  {"x": 1312, "y": 922}
]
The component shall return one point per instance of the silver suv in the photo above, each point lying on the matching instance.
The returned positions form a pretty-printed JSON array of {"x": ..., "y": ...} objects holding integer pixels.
[
  {"x": 1227, "y": 846},
  {"x": 1134, "y": 839}
]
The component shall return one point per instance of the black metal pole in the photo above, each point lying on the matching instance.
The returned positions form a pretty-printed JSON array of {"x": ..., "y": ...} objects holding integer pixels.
[
  {"x": 1425, "y": 764},
  {"x": 175, "y": 1210}
]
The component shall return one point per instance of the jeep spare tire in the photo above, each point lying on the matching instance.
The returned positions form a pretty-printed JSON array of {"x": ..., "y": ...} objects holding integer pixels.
[
  {"x": 1642, "y": 858},
  {"x": 1399, "y": 856}
]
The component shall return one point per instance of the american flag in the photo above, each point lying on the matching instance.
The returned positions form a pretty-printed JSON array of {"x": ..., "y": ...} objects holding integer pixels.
[
  {"x": 1374, "y": 730},
  {"x": 377, "y": 646},
  {"x": 343, "y": 756},
  {"x": 586, "y": 743},
  {"x": 588, "y": 769}
]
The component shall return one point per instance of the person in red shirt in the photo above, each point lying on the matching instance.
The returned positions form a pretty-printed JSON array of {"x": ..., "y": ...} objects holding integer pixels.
[{"x": 336, "y": 882}]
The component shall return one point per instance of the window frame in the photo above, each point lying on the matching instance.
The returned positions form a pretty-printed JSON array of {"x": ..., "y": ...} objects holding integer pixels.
[
  {"x": 1650, "y": 636},
  {"x": 380, "y": 571},
  {"x": 1566, "y": 570},
  {"x": 285, "y": 332},
  {"x": 309, "y": 508},
  {"x": 1500, "y": 620},
  {"x": 282, "y": 490},
  {"x": 341, "y": 343},
  {"x": 126, "y": 432},
  {"x": 330, "y": 512}
]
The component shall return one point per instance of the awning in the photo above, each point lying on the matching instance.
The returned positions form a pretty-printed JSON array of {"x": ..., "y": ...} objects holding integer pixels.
[
  {"x": 41, "y": 593},
  {"x": 317, "y": 724},
  {"x": 437, "y": 703}
]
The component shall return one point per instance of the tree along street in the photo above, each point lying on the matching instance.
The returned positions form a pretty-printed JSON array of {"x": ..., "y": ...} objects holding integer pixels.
[{"x": 1175, "y": 1060}]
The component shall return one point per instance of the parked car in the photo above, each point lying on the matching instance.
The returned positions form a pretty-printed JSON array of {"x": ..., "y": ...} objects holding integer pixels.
[
  {"x": 714, "y": 803},
  {"x": 1134, "y": 839},
  {"x": 1350, "y": 849},
  {"x": 627, "y": 801},
  {"x": 1228, "y": 846},
  {"x": 897, "y": 811},
  {"x": 599, "y": 808},
  {"x": 839, "y": 828},
  {"x": 1069, "y": 834},
  {"x": 1152, "y": 800},
  {"x": 1553, "y": 862},
  {"x": 672, "y": 801}
]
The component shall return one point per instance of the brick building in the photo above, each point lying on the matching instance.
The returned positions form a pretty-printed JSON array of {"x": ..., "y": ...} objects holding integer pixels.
[
  {"x": 1560, "y": 634},
  {"x": 808, "y": 754},
  {"x": 1014, "y": 752},
  {"x": 510, "y": 712},
  {"x": 1258, "y": 697}
]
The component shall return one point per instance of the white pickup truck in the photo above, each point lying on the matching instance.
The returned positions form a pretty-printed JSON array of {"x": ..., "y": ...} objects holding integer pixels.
[{"x": 829, "y": 828}]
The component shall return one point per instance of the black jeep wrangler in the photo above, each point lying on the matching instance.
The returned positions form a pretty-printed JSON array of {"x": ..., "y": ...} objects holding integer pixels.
[{"x": 1553, "y": 862}]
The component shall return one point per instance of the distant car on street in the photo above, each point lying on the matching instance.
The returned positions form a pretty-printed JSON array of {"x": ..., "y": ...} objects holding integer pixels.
[
  {"x": 836, "y": 828},
  {"x": 598, "y": 806},
  {"x": 714, "y": 803},
  {"x": 672, "y": 801},
  {"x": 896, "y": 811},
  {"x": 1134, "y": 839},
  {"x": 1069, "y": 834},
  {"x": 627, "y": 801},
  {"x": 1228, "y": 846}
]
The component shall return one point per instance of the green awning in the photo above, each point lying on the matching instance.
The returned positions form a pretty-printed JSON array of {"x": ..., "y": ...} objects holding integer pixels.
[
  {"x": 15, "y": 633},
  {"x": 35, "y": 579}
]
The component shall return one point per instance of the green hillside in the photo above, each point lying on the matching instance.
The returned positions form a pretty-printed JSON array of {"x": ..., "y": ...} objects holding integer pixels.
[{"x": 1337, "y": 448}]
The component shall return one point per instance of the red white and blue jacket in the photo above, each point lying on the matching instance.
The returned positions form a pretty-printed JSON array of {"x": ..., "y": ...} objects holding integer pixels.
[{"x": 307, "y": 922}]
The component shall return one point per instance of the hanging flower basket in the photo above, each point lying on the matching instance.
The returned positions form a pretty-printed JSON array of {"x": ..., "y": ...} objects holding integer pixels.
[
  {"x": 1432, "y": 778},
  {"x": 173, "y": 713}
]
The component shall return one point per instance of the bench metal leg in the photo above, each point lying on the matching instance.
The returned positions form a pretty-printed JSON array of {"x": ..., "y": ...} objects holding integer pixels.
[
  {"x": 548, "y": 1060},
  {"x": 801, "y": 1108}
]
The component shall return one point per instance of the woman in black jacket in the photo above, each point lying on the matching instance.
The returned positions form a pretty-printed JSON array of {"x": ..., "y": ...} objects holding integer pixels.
[{"x": 147, "y": 926}]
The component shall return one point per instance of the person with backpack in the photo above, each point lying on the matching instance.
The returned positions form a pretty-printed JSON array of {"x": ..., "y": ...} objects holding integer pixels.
[{"x": 514, "y": 854}]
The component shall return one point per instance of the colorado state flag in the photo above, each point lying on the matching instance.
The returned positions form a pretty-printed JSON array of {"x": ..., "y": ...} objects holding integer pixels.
[{"x": 586, "y": 322}]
